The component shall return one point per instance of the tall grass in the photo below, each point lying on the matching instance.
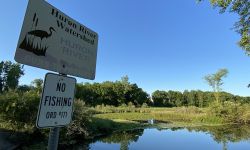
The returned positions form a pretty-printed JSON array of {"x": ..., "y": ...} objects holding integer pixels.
[{"x": 228, "y": 113}]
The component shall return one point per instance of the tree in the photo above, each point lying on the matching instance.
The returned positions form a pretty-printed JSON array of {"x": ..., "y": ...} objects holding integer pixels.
[
  {"x": 10, "y": 74},
  {"x": 240, "y": 7},
  {"x": 24, "y": 88},
  {"x": 215, "y": 81},
  {"x": 138, "y": 96},
  {"x": 112, "y": 93},
  {"x": 185, "y": 98},
  {"x": 174, "y": 98},
  {"x": 38, "y": 84},
  {"x": 192, "y": 98},
  {"x": 160, "y": 98}
]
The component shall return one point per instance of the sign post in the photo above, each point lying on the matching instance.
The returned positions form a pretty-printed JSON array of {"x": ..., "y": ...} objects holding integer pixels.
[
  {"x": 56, "y": 105},
  {"x": 53, "y": 138},
  {"x": 51, "y": 40}
]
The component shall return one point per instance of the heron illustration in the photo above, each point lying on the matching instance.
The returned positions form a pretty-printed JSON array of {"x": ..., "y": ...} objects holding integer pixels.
[
  {"x": 35, "y": 39},
  {"x": 29, "y": 44},
  {"x": 42, "y": 34}
]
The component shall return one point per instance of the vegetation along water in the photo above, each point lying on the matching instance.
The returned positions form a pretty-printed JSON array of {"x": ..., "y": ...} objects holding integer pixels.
[{"x": 103, "y": 110}]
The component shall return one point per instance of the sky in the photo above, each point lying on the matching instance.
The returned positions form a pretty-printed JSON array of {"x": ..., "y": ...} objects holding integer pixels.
[{"x": 159, "y": 44}]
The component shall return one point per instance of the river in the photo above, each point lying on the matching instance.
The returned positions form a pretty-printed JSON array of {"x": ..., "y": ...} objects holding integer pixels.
[
  {"x": 195, "y": 138},
  {"x": 226, "y": 137}
]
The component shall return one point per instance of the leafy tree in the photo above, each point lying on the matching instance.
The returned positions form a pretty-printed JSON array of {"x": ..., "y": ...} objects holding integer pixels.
[
  {"x": 200, "y": 99},
  {"x": 175, "y": 98},
  {"x": 24, "y": 88},
  {"x": 10, "y": 74},
  {"x": 240, "y": 7},
  {"x": 185, "y": 98},
  {"x": 88, "y": 93},
  {"x": 191, "y": 98},
  {"x": 38, "y": 84},
  {"x": 138, "y": 96},
  {"x": 112, "y": 93},
  {"x": 215, "y": 81},
  {"x": 160, "y": 98}
]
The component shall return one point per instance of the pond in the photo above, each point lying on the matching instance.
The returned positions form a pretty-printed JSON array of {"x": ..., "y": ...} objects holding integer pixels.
[
  {"x": 233, "y": 137},
  {"x": 198, "y": 138}
]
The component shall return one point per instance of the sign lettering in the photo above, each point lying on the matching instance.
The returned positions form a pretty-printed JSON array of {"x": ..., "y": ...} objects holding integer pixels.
[
  {"x": 57, "y": 100},
  {"x": 52, "y": 40}
]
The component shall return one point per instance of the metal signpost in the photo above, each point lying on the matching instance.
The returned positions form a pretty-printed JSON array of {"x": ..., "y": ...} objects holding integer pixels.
[
  {"x": 56, "y": 105},
  {"x": 51, "y": 40}
]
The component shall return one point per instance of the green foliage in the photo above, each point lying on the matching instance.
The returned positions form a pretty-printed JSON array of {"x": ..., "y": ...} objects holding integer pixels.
[
  {"x": 19, "y": 108},
  {"x": 183, "y": 115},
  {"x": 85, "y": 126},
  {"x": 9, "y": 75},
  {"x": 78, "y": 128},
  {"x": 38, "y": 84},
  {"x": 160, "y": 98},
  {"x": 187, "y": 98},
  {"x": 144, "y": 105},
  {"x": 193, "y": 98},
  {"x": 240, "y": 7},
  {"x": 231, "y": 112},
  {"x": 24, "y": 88},
  {"x": 112, "y": 93},
  {"x": 215, "y": 81},
  {"x": 124, "y": 137},
  {"x": 121, "y": 109}
]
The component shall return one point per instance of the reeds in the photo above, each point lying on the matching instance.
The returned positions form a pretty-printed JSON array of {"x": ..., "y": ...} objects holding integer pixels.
[{"x": 34, "y": 44}]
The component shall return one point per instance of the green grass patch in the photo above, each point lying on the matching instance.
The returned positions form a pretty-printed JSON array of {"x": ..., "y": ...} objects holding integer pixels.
[{"x": 182, "y": 115}]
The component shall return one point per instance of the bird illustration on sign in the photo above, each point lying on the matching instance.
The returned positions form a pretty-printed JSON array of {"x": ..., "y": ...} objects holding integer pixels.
[{"x": 35, "y": 40}]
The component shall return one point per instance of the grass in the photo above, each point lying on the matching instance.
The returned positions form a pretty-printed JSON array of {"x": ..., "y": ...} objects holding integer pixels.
[
  {"x": 179, "y": 116},
  {"x": 94, "y": 122}
]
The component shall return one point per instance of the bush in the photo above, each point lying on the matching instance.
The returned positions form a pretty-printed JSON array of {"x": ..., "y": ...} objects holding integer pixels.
[
  {"x": 231, "y": 112},
  {"x": 19, "y": 108},
  {"x": 144, "y": 105},
  {"x": 188, "y": 110},
  {"x": 79, "y": 120},
  {"x": 77, "y": 130}
]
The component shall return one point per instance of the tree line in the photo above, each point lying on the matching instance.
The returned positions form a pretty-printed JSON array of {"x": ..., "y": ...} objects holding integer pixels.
[
  {"x": 196, "y": 98},
  {"x": 112, "y": 93},
  {"x": 120, "y": 92}
]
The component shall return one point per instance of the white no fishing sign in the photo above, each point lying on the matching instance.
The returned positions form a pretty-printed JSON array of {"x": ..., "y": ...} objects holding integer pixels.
[{"x": 56, "y": 105}]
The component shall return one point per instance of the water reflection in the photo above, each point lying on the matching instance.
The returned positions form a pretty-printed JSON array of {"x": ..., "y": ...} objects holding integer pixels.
[
  {"x": 123, "y": 138},
  {"x": 219, "y": 137},
  {"x": 226, "y": 134}
]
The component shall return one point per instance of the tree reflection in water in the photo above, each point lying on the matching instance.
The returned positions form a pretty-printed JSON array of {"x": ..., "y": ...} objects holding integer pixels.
[
  {"x": 226, "y": 133},
  {"x": 124, "y": 138},
  {"x": 221, "y": 134}
]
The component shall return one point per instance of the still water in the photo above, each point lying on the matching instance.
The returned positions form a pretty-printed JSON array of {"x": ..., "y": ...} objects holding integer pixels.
[{"x": 199, "y": 138}]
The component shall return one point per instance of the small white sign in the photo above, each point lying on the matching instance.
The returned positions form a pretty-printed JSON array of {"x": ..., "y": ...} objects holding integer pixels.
[
  {"x": 51, "y": 40},
  {"x": 56, "y": 104}
]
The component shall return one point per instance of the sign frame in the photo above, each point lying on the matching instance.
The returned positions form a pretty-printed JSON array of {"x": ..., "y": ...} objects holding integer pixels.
[{"x": 42, "y": 97}]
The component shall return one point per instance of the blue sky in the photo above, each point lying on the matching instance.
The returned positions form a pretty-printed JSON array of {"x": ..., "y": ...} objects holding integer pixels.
[{"x": 159, "y": 44}]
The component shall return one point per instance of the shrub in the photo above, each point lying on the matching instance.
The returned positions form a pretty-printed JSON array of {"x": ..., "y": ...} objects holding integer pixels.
[
  {"x": 230, "y": 111},
  {"x": 78, "y": 129},
  {"x": 19, "y": 108},
  {"x": 144, "y": 105},
  {"x": 188, "y": 110}
]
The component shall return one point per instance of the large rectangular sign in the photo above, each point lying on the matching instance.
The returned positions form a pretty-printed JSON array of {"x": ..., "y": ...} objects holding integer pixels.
[
  {"x": 56, "y": 104},
  {"x": 51, "y": 40}
]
